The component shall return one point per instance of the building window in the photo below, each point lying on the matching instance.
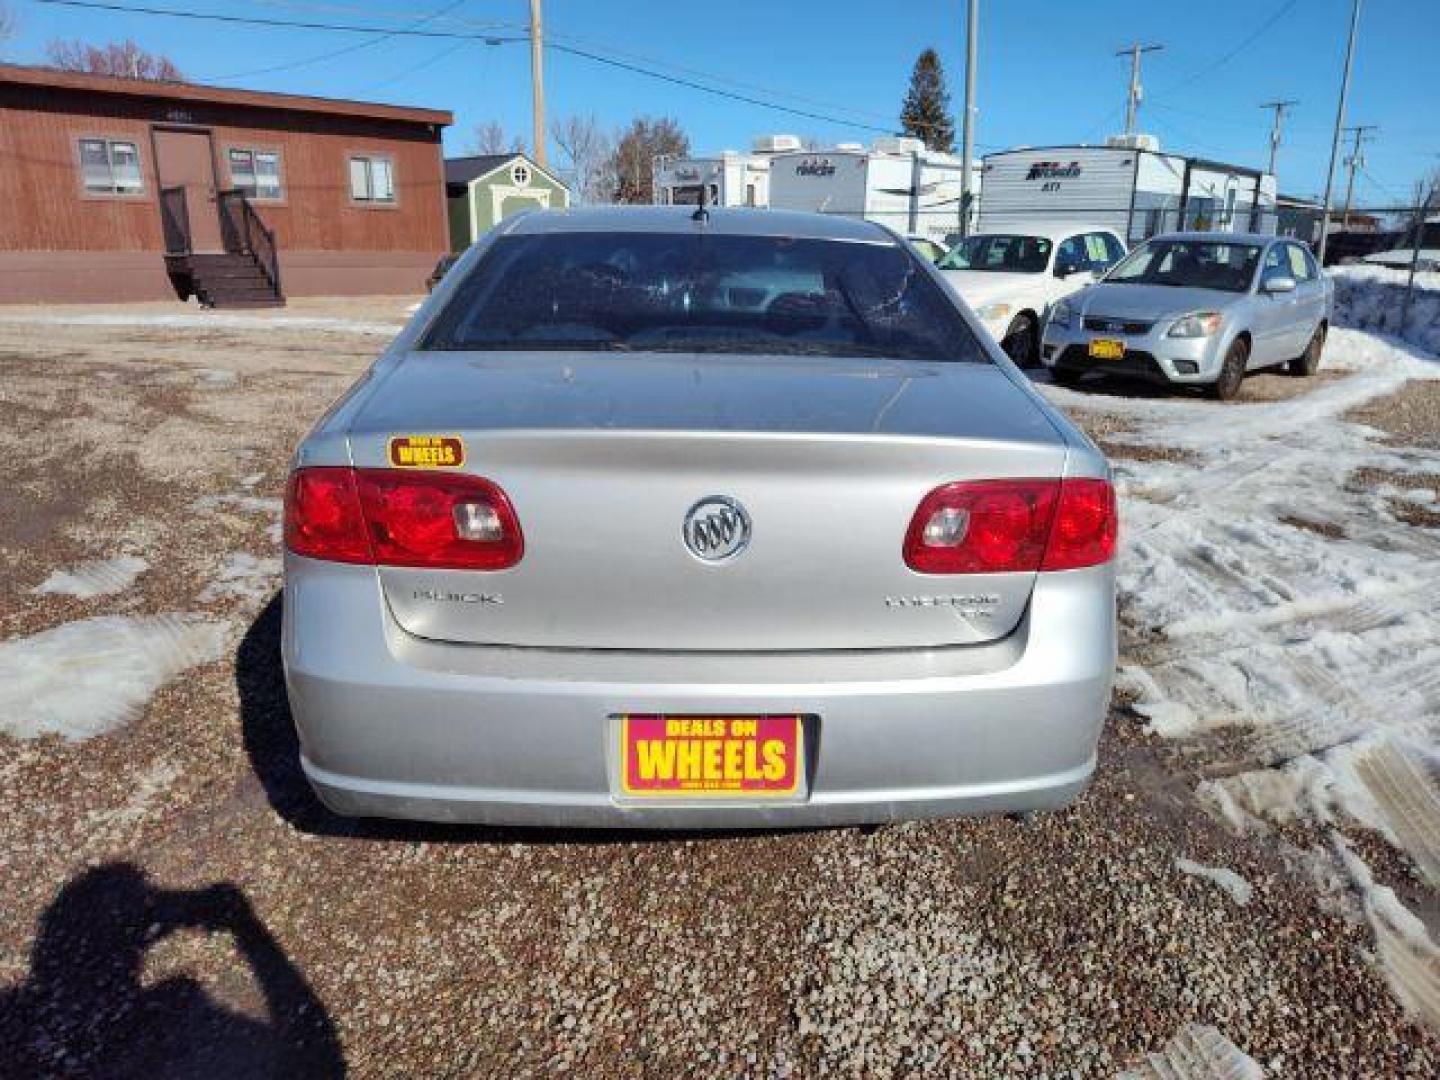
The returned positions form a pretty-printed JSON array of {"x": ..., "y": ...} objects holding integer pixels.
[
  {"x": 110, "y": 167},
  {"x": 372, "y": 179},
  {"x": 256, "y": 173}
]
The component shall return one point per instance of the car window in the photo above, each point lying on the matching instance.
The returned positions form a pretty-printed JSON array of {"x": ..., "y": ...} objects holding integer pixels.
[
  {"x": 1000, "y": 253},
  {"x": 697, "y": 292},
  {"x": 1277, "y": 264},
  {"x": 1114, "y": 247},
  {"x": 1072, "y": 254},
  {"x": 1300, "y": 268},
  {"x": 1198, "y": 264}
]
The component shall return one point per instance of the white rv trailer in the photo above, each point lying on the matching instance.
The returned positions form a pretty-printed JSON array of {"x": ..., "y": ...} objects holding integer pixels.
[
  {"x": 1127, "y": 185},
  {"x": 730, "y": 178},
  {"x": 896, "y": 182}
]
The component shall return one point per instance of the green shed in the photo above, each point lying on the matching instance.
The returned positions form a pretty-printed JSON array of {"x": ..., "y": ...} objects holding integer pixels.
[{"x": 482, "y": 189}]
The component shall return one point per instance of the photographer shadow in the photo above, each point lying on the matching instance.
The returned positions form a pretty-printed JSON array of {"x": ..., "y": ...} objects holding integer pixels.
[{"x": 87, "y": 1009}]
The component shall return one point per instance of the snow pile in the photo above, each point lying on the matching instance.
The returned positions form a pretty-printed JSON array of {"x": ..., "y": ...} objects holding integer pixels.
[
  {"x": 85, "y": 678},
  {"x": 1371, "y": 298},
  {"x": 1236, "y": 886},
  {"x": 98, "y": 578},
  {"x": 1297, "y": 616}
]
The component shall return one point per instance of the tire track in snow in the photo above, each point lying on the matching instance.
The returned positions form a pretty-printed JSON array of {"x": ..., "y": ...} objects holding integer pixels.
[
  {"x": 100, "y": 577},
  {"x": 1198, "y": 1052}
]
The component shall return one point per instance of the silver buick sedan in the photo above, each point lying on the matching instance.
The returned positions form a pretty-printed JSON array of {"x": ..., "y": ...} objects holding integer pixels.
[
  {"x": 1197, "y": 308},
  {"x": 685, "y": 518}
]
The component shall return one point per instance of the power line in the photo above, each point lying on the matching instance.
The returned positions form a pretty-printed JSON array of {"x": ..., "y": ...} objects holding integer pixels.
[
  {"x": 387, "y": 35},
  {"x": 1236, "y": 51},
  {"x": 415, "y": 32}
]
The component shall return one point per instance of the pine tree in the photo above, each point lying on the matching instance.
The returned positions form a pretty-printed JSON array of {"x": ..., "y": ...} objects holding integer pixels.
[{"x": 926, "y": 112}]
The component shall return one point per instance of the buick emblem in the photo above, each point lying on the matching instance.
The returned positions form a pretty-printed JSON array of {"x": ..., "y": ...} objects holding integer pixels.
[{"x": 717, "y": 528}]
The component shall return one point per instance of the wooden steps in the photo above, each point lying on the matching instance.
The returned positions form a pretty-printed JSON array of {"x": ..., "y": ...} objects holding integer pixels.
[{"x": 228, "y": 280}]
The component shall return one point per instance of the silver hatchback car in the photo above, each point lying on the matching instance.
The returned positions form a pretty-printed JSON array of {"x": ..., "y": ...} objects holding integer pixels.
[
  {"x": 1197, "y": 308},
  {"x": 661, "y": 518}
]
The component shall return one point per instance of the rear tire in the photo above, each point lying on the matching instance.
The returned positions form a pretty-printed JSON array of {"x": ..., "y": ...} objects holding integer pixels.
[
  {"x": 1232, "y": 371},
  {"x": 1308, "y": 362},
  {"x": 1022, "y": 340}
]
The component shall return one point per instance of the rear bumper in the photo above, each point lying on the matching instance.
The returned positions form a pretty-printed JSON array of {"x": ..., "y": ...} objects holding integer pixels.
[{"x": 395, "y": 726}]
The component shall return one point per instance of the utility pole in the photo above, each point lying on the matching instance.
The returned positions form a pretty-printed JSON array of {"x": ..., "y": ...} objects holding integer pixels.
[
  {"x": 1133, "y": 101},
  {"x": 1279, "y": 107},
  {"x": 537, "y": 79},
  {"x": 967, "y": 139},
  {"x": 1339, "y": 128},
  {"x": 1356, "y": 160}
]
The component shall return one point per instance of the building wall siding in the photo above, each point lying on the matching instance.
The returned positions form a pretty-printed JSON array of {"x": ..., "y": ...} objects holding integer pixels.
[{"x": 49, "y": 209}]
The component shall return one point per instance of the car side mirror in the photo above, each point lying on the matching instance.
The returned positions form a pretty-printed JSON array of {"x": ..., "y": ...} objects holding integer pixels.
[{"x": 1279, "y": 285}]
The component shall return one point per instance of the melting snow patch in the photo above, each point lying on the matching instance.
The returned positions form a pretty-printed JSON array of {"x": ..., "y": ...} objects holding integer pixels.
[
  {"x": 85, "y": 678},
  {"x": 1238, "y": 888},
  {"x": 244, "y": 575},
  {"x": 209, "y": 321},
  {"x": 99, "y": 578}
]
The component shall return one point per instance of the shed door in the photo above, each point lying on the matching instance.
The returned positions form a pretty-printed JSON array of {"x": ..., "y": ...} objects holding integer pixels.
[{"x": 184, "y": 159}]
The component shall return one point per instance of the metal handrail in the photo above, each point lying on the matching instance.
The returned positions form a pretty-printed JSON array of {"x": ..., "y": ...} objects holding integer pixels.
[{"x": 243, "y": 232}]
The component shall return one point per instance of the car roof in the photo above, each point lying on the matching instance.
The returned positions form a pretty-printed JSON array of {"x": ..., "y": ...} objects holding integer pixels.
[
  {"x": 1050, "y": 230},
  {"x": 1222, "y": 237},
  {"x": 719, "y": 221}
]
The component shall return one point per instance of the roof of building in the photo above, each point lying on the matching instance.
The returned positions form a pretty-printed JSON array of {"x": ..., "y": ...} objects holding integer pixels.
[
  {"x": 197, "y": 93},
  {"x": 717, "y": 221},
  {"x": 463, "y": 170}
]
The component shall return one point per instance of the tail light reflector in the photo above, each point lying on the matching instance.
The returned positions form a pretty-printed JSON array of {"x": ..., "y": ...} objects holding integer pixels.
[
  {"x": 1000, "y": 526},
  {"x": 392, "y": 517}
]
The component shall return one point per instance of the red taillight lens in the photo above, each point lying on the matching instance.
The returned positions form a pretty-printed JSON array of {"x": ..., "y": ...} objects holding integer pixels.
[
  {"x": 392, "y": 517},
  {"x": 1001, "y": 526},
  {"x": 322, "y": 516},
  {"x": 1086, "y": 526}
]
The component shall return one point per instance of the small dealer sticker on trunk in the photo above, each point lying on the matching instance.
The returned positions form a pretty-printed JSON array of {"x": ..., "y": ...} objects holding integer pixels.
[
  {"x": 711, "y": 756},
  {"x": 427, "y": 452}
]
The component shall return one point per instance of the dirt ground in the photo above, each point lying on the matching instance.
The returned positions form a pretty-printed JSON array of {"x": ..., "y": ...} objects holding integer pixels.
[{"x": 178, "y": 903}]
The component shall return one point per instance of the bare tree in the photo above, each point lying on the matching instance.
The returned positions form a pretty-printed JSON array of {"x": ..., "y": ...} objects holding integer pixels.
[
  {"x": 123, "y": 58},
  {"x": 590, "y": 157},
  {"x": 492, "y": 138},
  {"x": 636, "y": 151}
]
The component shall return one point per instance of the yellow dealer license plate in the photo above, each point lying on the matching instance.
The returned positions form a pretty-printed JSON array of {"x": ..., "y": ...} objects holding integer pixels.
[
  {"x": 717, "y": 757},
  {"x": 1102, "y": 348}
]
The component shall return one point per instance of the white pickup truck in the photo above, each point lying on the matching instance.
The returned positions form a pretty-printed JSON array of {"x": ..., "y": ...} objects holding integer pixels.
[{"x": 1011, "y": 279}]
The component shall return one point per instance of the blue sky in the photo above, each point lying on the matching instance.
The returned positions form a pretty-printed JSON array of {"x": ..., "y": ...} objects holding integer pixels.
[{"x": 1047, "y": 71}]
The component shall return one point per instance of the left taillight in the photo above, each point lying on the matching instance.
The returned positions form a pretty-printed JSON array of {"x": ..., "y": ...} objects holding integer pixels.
[{"x": 391, "y": 517}]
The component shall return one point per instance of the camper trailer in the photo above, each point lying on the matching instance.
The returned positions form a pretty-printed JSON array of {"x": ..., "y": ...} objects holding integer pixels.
[
  {"x": 1127, "y": 185},
  {"x": 896, "y": 182},
  {"x": 730, "y": 178}
]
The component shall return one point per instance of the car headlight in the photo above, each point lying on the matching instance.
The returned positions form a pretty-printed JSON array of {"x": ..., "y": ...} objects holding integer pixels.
[
  {"x": 992, "y": 312},
  {"x": 1060, "y": 314},
  {"x": 1196, "y": 324}
]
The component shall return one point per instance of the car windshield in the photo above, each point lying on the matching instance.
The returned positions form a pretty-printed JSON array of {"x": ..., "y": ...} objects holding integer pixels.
[
  {"x": 1196, "y": 264},
  {"x": 1008, "y": 254},
  {"x": 699, "y": 292}
]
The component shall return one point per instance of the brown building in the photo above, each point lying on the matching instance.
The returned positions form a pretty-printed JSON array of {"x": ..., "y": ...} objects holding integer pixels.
[{"x": 125, "y": 189}]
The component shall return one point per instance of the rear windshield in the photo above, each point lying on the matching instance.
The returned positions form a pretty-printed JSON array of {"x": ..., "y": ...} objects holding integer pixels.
[
  {"x": 696, "y": 292},
  {"x": 1007, "y": 254},
  {"x": 1197, "y": 264}
]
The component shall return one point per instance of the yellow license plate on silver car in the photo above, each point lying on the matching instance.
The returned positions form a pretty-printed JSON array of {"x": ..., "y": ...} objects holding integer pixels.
[{"x": 1106, "y": 349}]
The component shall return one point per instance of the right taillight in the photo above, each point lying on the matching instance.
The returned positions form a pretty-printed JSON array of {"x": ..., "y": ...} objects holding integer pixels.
[
  {"x": 394, "y": 517},
  {"x": 1003, "y": 526}
]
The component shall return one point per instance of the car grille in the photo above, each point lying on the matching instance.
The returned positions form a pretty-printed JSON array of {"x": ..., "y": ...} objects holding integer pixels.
[
  {"x": 1117, "y": 326},
  {"x": 1134, "y": 362}
]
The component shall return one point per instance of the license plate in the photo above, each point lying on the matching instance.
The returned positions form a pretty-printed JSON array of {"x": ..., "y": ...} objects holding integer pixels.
[
  {"x": 1106, "y": 349},
  {"x": 716, "y": 757}
]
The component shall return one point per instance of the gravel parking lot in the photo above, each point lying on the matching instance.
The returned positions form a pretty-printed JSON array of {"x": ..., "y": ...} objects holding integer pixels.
[{"x": 1252, "y": 883}]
